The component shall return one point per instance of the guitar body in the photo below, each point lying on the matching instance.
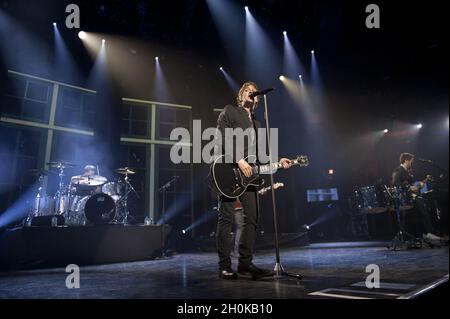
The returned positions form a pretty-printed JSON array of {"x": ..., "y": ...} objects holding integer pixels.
[
  {"x": 232, "y": 183},
  {"x": 229, "y": 179}
]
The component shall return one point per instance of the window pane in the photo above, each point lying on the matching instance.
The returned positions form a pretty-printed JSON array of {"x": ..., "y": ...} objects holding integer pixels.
[
  {"x": 17, "y": 87},
  {"x": 33, "y": 110},
  {"x": 138, "y": 128},
  {"x": 139, "y": 112},
  {"x": 38, "y": 91},
  {"x": 76, "y": 109},
  {"x": 166, "y": 114}
]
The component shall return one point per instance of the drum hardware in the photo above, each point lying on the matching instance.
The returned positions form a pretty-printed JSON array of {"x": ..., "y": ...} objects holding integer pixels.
[
  {"x": 87, "y": 199},
  {"x": 125, "y": 171},
  {"x": 370, "y": 200},
  {"x": 402, "y": 237},
  {"x": 123, "y": 200},
  {"x": 62, "y": 196}
]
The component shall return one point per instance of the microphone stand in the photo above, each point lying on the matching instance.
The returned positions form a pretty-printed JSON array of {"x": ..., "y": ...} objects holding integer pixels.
[
  {"x": 279, "y": 271},
  {"x": 163, "y": 189}
]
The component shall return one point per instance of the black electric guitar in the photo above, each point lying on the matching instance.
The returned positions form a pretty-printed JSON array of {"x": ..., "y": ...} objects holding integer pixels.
[{"x": 232, "y": 183}]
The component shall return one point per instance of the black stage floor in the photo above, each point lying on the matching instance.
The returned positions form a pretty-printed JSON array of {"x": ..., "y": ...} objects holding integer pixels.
[{"x": 334, "y": 270}]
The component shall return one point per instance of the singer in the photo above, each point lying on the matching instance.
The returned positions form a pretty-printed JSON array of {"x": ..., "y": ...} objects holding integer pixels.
[{"x": 240, "y": 116}]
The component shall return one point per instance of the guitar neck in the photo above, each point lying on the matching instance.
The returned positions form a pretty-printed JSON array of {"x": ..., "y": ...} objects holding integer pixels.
[{"x": 263, "y": 169}]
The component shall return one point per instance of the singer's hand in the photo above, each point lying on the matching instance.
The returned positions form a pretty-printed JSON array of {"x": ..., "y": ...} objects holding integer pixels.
[
  {"x": 245, "y": 168},
  {"x": 286, "y": 163}
]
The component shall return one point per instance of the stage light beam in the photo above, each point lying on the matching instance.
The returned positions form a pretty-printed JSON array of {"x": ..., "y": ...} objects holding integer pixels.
[{"x": 282, "y": 77}]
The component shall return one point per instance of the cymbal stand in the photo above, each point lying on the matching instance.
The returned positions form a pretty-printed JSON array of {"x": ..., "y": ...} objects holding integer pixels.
[
  {"x": 60, "y": 207},
  {"x": 36, "y": 209},
  {"x": 124, "y": 199}
]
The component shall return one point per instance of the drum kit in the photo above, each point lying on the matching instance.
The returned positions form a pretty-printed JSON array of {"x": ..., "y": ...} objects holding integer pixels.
[
  {"x": 87, "y": 199},
  {"x": 377, "y": 199}
]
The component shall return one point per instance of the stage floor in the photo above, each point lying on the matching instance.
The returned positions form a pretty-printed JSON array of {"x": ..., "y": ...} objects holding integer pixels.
[{"x": 334, "y": 270}]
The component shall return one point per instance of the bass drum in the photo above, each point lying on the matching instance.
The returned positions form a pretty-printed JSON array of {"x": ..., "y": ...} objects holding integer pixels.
[{"x": 97, "y": 209}]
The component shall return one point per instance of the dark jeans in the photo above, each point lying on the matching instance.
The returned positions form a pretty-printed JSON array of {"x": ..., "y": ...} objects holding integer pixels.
[{"x": 225, "y": 223}]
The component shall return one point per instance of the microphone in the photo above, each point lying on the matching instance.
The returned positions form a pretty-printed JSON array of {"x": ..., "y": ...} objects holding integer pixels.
[
  {"x": 258, "y": 93},
  {"x": 424, "y": 160}
]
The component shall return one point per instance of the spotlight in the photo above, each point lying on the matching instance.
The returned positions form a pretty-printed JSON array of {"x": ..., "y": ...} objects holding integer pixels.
[
  {"x": 184, "y": 231},
  {"x": 103, "y": 41},
  {"x": 156, "y": 58},
  {"x": 221, "y": 68},
  {"x": 305, "y": 227},
  {"x": 246, "y": 8},
  {"x": 419, "y": 125},
  {"x": 282, "y": 77},
  {"x": 54, "y": 24},
  {"x": 312, "y": 51},
  {"x": 330, "y": 171},
  {"x": 386, "y": 131},
  {"x": 285, "y": 33},
  {"x": 300, "y": 76},
  {"x": 82, "y": 35}
]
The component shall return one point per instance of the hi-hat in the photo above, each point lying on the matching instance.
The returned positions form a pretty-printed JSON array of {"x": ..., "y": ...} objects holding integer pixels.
[{"x": 125, "y": 171}]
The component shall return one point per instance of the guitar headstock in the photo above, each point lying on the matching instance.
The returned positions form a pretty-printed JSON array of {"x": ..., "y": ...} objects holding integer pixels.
[{"x": 301, "y": 160}]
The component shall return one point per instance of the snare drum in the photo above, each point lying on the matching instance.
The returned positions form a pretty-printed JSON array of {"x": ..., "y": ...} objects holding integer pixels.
[{"x": 372, "y": 200}]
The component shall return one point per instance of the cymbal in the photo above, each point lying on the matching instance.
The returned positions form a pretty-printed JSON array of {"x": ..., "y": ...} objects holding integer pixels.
[
  {"x": 60, "y": 164},
  {"x": 94, "y": 180},
  {"x": 125, "y": 171}
]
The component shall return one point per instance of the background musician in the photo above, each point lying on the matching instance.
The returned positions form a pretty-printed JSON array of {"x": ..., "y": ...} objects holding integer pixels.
[{"x": 402, "y": 176}]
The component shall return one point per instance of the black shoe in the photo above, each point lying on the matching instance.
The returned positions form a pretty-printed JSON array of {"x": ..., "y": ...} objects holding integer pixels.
[
  {"x": 227, "y": 274},
  {"x": 254, "y": 271}
]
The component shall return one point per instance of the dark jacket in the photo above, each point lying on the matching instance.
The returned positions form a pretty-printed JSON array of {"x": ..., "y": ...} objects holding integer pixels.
[
  {"x": 237, "y": 117},
  {"x": 401, "y": 177}
]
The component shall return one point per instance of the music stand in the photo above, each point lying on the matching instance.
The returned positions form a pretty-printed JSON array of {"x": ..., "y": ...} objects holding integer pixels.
[{"x": 279, "y": 271}]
